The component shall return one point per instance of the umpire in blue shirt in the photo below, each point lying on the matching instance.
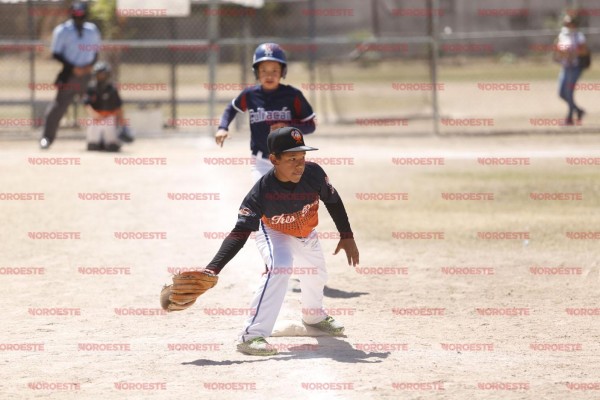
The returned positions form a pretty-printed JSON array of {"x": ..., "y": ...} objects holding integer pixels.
[{"x": 75, "y": 43}]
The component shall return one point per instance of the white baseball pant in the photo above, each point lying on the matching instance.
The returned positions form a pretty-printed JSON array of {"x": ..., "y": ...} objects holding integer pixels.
[
  {"x": 286, "y": 255},
  {"x": 102, "y": 131},
  {"x": 261, "y": 166}
]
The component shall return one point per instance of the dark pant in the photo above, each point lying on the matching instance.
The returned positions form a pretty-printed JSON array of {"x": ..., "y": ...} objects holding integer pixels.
[
  {"x": 64, "y": 97},
  {"x": 566, "y": 83}
]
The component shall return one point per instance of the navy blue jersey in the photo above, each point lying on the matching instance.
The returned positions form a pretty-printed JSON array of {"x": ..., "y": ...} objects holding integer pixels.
[
  {"x": 284, "y": 104},
  {"x": 291, "y": 208}
]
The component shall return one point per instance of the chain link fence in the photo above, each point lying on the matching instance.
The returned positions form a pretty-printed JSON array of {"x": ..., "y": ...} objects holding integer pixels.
[{"x": 395, "y": 66}]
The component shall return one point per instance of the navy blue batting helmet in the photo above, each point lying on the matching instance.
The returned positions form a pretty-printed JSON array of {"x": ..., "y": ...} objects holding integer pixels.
[{"x": 269, "y": 52}]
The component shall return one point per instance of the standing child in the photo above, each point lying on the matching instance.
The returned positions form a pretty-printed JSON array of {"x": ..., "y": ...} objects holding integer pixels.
[
  {"x": 106, "y": 129},
  {"x": 270, "y": 105}
]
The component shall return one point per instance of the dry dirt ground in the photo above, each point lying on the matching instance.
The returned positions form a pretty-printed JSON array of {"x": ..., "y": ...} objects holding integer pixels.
[{"x": 488, "y": 292}]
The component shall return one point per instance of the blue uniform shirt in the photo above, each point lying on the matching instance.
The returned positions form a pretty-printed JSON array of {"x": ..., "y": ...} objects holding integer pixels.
[
  {"x": 284, "y": 104},
  {"x": 79, "y": 51}
]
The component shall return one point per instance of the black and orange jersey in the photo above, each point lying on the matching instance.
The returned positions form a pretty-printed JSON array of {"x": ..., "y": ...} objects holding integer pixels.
[
  {"x": 104, "y": 99},
  {"x": 291, "y": 208}
]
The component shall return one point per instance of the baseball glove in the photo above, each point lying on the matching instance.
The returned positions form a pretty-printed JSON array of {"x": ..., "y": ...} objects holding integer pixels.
[{"x": 186, "y": 288}]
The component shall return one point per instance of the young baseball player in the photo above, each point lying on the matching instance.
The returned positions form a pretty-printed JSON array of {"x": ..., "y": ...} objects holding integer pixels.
[
  {"x": 270, "y": 105},
  {"x": 283, "y": 206},
  {"x": 106, "y": 129}
]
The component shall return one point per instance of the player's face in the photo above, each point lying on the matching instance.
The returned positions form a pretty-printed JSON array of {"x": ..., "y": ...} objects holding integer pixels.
[
  {"x": 290, "y": 167},
  {"x": 269, "y": 74},
  {"x": 102, "y": 76}
]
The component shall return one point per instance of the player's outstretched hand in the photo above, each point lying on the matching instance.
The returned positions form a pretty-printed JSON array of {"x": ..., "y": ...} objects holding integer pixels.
[
  {"x": 349, "y": 246},
  {"x": 220, "y": 136}
]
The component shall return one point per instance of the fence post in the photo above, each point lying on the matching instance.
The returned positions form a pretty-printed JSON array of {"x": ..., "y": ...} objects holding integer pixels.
[
  {"x": 433, "y": 28},
  {"x": 213, "y": 56},
  {"x": 312, "y": 32},
  {"x": 31, "y": 30},
  {"x": 173, "y": 75}
]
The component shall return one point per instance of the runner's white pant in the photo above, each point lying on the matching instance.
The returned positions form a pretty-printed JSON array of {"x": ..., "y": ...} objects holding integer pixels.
[
  {"x": 260, "y": 167},
  {"x": 286, "y": 255}
]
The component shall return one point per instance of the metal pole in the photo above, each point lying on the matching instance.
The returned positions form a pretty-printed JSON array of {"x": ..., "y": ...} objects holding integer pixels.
[
  {"x": 213, "y": 55},
  {"x": 244, "y": 62},
  {"x": 173, "y": 75},
  {"x": 433, "y": 27},
  {"x": 31, "y": 28},
  {"x": 312, "y": 32},
  {"x": 375, "y": 18}
]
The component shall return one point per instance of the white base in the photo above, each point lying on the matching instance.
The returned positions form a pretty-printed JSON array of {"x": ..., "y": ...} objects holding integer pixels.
[{"x": 289, "y": 327}]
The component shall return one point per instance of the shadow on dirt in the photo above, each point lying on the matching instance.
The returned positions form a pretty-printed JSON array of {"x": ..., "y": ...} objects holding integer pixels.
[
  {"x": 334, "y": 293},
  {"x": 333, "y": 348}
]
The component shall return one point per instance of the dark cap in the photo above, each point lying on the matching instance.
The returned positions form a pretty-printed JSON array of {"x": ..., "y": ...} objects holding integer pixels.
[
  {"x": 287, "y": 139},
  {"x": 78, "y": 9}
]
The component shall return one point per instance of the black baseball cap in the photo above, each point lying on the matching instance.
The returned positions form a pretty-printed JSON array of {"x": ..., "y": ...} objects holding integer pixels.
[{"x": 287, "y": 139}]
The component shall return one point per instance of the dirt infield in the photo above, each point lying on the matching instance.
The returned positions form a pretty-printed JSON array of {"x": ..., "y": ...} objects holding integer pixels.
[{"x": 479, "y": 272}]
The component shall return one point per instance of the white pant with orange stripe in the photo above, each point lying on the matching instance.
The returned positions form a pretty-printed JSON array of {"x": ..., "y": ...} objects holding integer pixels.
[{"x": 286, "y": 255}]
